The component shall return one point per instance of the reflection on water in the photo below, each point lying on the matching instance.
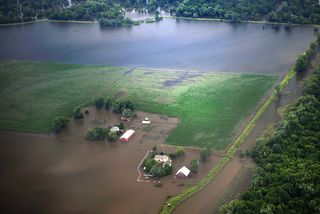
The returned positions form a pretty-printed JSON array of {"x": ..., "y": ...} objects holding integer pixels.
[{"x": 172, "y": 44}]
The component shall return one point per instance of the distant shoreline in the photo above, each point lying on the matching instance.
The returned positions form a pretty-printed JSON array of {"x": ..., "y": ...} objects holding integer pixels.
[
  {"x": 248, "y": 21},
  {"x": 49, "y": 20},
  {"x": 166, "y": 17}
]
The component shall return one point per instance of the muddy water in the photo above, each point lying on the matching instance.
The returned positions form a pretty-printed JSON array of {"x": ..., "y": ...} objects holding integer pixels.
[
  {"x": 236, "y": 176},
  {"x": 66, "y": 174},
  {"x": 200, "y": 203}
]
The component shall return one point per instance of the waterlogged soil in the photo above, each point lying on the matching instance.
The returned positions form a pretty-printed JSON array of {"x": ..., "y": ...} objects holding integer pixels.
[{"x": 65, "y": 173}]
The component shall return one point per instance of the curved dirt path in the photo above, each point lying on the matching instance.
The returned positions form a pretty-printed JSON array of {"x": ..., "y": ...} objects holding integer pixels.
[{"x": 235, "y": 177}]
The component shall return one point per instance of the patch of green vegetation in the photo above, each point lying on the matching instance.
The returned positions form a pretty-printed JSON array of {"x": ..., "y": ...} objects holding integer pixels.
[
  {"x": 210, "y": 106},
  {"x": 34, "y": 93}
]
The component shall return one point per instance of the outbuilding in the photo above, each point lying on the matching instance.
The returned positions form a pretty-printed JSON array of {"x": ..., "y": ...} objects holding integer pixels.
[
  {"x": 127, "y": 135},
  {"x": 114, "y": 129},
  {"x": 184, "y": 172},
  {"x": 146, "y": 121}
]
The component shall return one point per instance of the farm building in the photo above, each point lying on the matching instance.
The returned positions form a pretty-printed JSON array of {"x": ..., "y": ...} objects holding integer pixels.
[
  {"x": 114, "y": 129},
  {"x": 146, "y": 121},
  {"x": 183, "y": 172},
  {"x": 164, "y": 159},
  {"x": 127, "y": 135}
]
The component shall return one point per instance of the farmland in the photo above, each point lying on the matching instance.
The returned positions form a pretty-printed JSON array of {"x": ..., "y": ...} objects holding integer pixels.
[{"x": 210, "y": 106}]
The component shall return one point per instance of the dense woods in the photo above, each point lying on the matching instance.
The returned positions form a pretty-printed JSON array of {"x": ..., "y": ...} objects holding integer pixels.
[
  {"x": 111, "y": 12},
  {"x": 12, "y": 11},
  {"x": 108, "y": 13},
  {"x": 287, "y": 177},
  {"x": 294, "y": 11}
]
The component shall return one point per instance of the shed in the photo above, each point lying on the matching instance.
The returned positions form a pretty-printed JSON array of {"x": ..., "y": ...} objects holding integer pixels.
[
  {"x": 146, "y": 122},
  {"x": 183, "y": 172},
  {"x": 114, "y": 129},
  {"x": 127, "y": 135}
]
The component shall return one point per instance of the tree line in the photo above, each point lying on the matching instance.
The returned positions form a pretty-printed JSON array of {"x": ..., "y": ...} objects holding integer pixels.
[
  {"x": 108, "y": 13},
  {"x": 111, "y": 12},
  {"x": 293, "y": 11},
  {"x": 288, "y": 159}
]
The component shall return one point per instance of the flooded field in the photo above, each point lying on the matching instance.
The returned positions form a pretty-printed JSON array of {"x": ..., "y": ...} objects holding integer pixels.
[{"x": 64, "y": 173}]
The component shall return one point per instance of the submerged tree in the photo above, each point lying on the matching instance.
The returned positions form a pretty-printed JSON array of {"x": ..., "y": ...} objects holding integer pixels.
[
  {"x": 96, "y": 134},
  {"x": 204, "y": 154},
  {"x": 108, "y": 103},
  {"x": 194, "y": 164},
  {"x": 127, "y": 113},
  {"x": 99, "y": 102},
  {"x": 77, "y": 114},
  {"x": 59, "y": 123}
]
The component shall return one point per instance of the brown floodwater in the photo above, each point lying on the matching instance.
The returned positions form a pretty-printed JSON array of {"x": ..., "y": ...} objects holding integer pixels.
[{"x": 64, "y": 173}]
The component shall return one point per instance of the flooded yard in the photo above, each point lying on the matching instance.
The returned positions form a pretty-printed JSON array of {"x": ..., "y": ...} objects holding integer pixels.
[{"x": 65, "y": 173}]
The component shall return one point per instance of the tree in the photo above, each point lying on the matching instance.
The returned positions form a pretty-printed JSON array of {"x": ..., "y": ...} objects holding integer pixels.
[
  {"x": 113, "y": 136},
  {"x": 148, "y": 164},
  {"x": 96, "y": 134},
  {"x": 99, "y": 103},
  {"x": 204, "y": 154},
  {"x": 108, "y": 103},
  {"x": 129, "y": 105},
  {"x": 301, "y": 63},
  {"x": 194, "y": 164},
  {"x": 173, "y": 156},
  {"x": 168, "y": 169},
  {"x": 59, "y": 123},
  {"x": 119, "y": 106},
  {"x": 121, "y": 126},
  {"x": 127, "y": 113},
  {"x": 157, "y": 16},
  {"x": 77, "y": 114},
  {"x": 180, "y": 152},
  {"x": 158, "y": 171}
]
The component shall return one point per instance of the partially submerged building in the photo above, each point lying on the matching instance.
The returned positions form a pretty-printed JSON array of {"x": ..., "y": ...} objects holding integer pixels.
[
  {"x": 184, "y": 172},
  {"x": 163, "y": 159},
  {"x": 127, "y": 135}
]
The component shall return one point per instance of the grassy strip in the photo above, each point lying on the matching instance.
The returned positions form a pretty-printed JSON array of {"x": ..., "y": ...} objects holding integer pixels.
[{"x": 171, "y": 203}]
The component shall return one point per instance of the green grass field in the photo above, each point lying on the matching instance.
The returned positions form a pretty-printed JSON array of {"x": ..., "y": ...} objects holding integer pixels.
[{"x": 211, "y": 106}]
